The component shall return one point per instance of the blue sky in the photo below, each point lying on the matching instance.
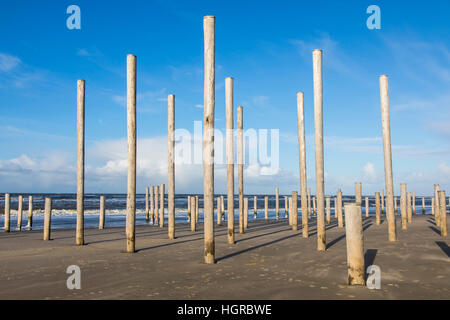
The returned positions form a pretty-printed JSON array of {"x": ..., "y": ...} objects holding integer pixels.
[{"x": 266, "y": 46}]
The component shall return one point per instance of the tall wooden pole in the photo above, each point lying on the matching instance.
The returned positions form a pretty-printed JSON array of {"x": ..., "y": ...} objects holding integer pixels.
[
  {"x": 403, "y": 206},
  {"x": 47, "y": 218},
  {"x": 30, "y": 212},
  {"x": 208, "y": 139},
  {"x": 19, "y": 212},
  {"x": 80, "y": 163},
  {"x": 101, "y": 223},
  {"x": 196, "y": 209},
  {"x": 377, "y": 207},
  {"x": 443, "y": 213},
  {"x": 240, "y": 124},
  {"x": 277, "y": 204},
  {"x": 389, "y": 184},
  {"x": 162, "y": 205},
  {"x": 395, "y": 205},
  {"x": 339, "y": 208},
  {"x": 355, "y": 244},
  {"x": 302, "y": 163},
  {"x": 290, "y": 212},
  {"x": 131, "y": 133},
  {"x": 171, "y": 166},
  {"x": 230, "y": 157}
]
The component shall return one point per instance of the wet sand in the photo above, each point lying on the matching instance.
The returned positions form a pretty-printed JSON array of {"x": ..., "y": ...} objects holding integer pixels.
[{"x": 269, "y": 261}]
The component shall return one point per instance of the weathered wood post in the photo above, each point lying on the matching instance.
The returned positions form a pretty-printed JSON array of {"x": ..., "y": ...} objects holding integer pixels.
[
  {"x": 7, "y": 212},
  {"x": 436, "y": 205},
  {"x": 432, "y": 207},
  {"x": 19, "y": 212},
  {"x": 255, "y": 206},
  {"x": 294, "y": 211},
  {"x": 245, "y": 213},
  {"x": 403, "y": 206},
  {"x": 240, "y": 123},
  {"x": 189, "y": 208},
  {"x": 156, "y": 198},
  {"x": 101, "y": 223},
  {"x": 378, "y": 207},
  {"x": 309, "y": 202},
  {"x": 302, "y": 162},
  {"x": 335, "y": 207},
  {"x": 408, "y": 206},
  {"x": 286, "y": 207},
  {"x": 367, "y": 207},
  {"x": 193, "y": 220},
  {"x": 290, "y": 211},
  {"x": 443, "y": 213},
  {"x": 395, "y": 204},
  {"x": 47, "y": 218},
  {"x": 197, "y": 214},
  {"x": 277, "y": 208},
  {"x": 318, "y": 128},
  {"x": 358, "y": 193},
  {"x": 131, "y": 133},
  {"x": 30, "y": 212},
  {"x": 355, "y": 244},
  {"x": 171, "y": 166},
  {"x": 208, "y": 138},
  {"x": 386, "y": 128},
  {"x": 328, "y": 205},
  {"x": 222, "y": 207},
  {"x": 382, "y": 201},
  {"x": 266, "y": 208},
  {"x": 414, "y": 203},
  {"x": 423, "y": 205},
  {"x": 230, "y": 158},
  {"x": 314, "y": 206},
  {"x": 152, "y": 205},
  {"x": 162, "y": 189},
  {"x": 147, "y": 209},
  {"x": 339, "y": 208},
  {"x": 218, "y": 216},
  {"x": 80, "y": 162}
]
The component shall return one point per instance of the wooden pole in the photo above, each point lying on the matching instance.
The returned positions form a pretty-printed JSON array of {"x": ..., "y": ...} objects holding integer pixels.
[
  {"x": 436, "y": 205},
  {"x": 222, "y": 208},
  {"x": 339, "y": 208},
  {"x": 255, "y": 206},
  {"x": 432, "y": 207},
  {"x": 7, "y": 212},
  {"x": 152, "y": 205},
  {"x": 286, "y": 204},
  {"x": 218, "y": 216},
  {"x": 443, "y": 213},
  {"x": 367, "y": 207},
  {"x": 101, "y": 224},
  {"x": 403, "y": 206},
  {"x": 240, "y": 124},
  {"x": 309, "y": 202},
  {"x": 408, "y": 204},
  {"x": 335, "y": 207},
  {"x": 382, "y": 201},
  {"x": 193, "y": 220},
  {"x": 156, "y": 198},
  {"x": 266, "y": 208},
  {"x": 196, "y": 210},
  {"x": 355, "y": 244},
  {"x": 314, "y": 206},
  {"x": 131, "y": 133},
  {"x": 277, "y": 205},
  {"x": 302, "y": 163},
  {"x": 80, "y": 162},
  {"x": 19, "y": 212},
  {"x": 395, "y": 204},
  {"x": 328, "y": 205},
  {"x": 414, "y": 203},
  {"x": 358, "y": 193},
  {"x": 290, "y": 212},
  {"x": 171, "y": 166},
  {"x": 30, "y": 212},
  {"x": 294, "y": 211},
  {"x": 230, "y": 158},
  {"x": 423, "y": 205},
  {"x": 47, "y": 218},
  {"x": 162, "y": 205},
  {"x": 386, "y": 128},
  {"x": 245, "y": 213},
  {"x": 378, "y": 207},
  {"x": 147, "y": 209}
]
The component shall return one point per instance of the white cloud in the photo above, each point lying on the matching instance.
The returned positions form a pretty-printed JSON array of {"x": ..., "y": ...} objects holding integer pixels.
[
  {"x": 8, "y": 62},
  {"x": 369, "y": 173}
]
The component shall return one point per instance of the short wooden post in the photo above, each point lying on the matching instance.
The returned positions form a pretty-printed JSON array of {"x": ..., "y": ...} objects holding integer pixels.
[
  {"x": 255, "y": 206},
  {"x": 290, "y": 211},
  {"x": 171, "y": 166},
  {"x": 367, "y": 207},
  {"x": 355, "y": 244},
  {"x": 219, "y": 215},
  {"x": 266, "y": 208},
  {"x": 19, "y": 212},
  {"x": 189, "y": 208},
  {"x": 162, "y": 205},
  {"x": 222, "y": 207},
  {"x": 403, "y": 206},
  {"x": 230, "y": 158},
  {"x": 423, "y": 205},
  {"x": 286, "y": 207},
  {"x": 328, "y": 205},
  {"x": 358, "y": 193},
  {"x": 339, "y": 208},
  {"x": 7, "y": 212},
  {"x": 245, "y": 213},
  {"x": 156, "y": 205},
  {"x": 131, "y": 134},
  {"x": 101, "y": 223},
  {"x": 152, "y": 205},
  {"x": 193, "y": 220},
  {"x": 147, "y": 209},
  {"x": 47, "y": 218},
  {"x": 436, "y": 205},
  {"x": 378, "y": 208},
  {"x": 277, "y": 208},
  {"x": 294, "y": 211},
  {"x": 197, "y": 214},
  {"x": 30, "y": 212},
  {"x": 443, "y": 213},
  {"x": 80, "y": 163},
  {"x": 414, "y": 203},
  {"x": 408, "y": 204}
]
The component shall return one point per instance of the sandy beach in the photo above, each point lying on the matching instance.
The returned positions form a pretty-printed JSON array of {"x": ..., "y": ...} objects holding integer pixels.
[{"x": 269, "y": 261}]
